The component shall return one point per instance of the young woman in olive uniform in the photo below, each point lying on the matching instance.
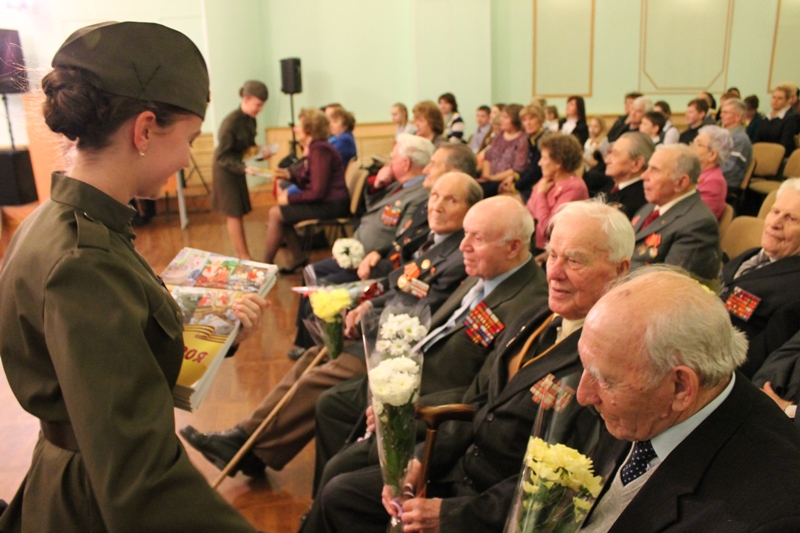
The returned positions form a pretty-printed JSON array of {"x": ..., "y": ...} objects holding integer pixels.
[
  {"x": 90, "y": 338},
  {"x": 237, "y": 135}
]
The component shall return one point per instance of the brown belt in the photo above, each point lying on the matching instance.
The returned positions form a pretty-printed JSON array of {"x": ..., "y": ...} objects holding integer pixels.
[{"x": 60, "y": 434}]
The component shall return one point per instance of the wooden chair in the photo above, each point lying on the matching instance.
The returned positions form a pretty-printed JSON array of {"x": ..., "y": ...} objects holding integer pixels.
[
  {"x": 737, "y": 196},
  {"x": 725, "y": 219},
  {"x": 792, "y": 167},
  {"x": 743, "y": 233},
  {"x": 766, "y": 205},
  {"x": 433, "y": 416},
  {"x": 355, "y": 177},
  {"x": 768, "y": 157}
]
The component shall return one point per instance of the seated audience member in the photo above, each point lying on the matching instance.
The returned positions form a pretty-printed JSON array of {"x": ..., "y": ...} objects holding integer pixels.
[
  {"x": 315, "y": 188},
  {"x": 440, "y": 270},
  {"x": 508, "y": 153},
  {"x": 574, "y": 123},
  {"x": 400, "y": 118},
  {"x": 713, "y": 146},
  {"x": 712, "y": 106},
  {"x": 503, "y": 278},
  {"x": 484, "y": 126},
  {"x": 625, "y": 164},
  {"x": 475, "y": 466},
  {"x": 735, "y": 166},
  {"x": 453, "y": 123},
  {"x": 671, "y": 133},
  {"x": 494, "y": 131},
  {"x": 761, "y": 287},
  {"x": 639, "y": 108},
  {"x": 595, "y": 149},
  {"x": 621, "y": 125},
  {"x": 532, "y": 117},
  {"x": 660, "y": 358},
  {"x": 495, "y": 111},
  {"x": 735, "y": 92},
  {"x": 722, "y": 99},
  {"x": 676, "y": 227},
  {"x": 561, "y": 158},
  {"x": 342, "y": 124},
  {"x": 652, "y": 125},
  {"x": 696, "y": 113},
  {"x": 781, "y": 125},
  {"x": 551, "y": 118},
  {"x": 429, "y": 122},
  {"x": 779, "y": 377},
  {"x": 752, "y": 118}
]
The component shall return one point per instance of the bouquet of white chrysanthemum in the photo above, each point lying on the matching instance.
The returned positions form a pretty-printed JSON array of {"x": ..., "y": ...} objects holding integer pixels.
[
  {"x": 348, "y": 253},
  {"x": 395, "y": 372},
  {"x": 558, "y": 485},
  {"x": 327, "y": 306}
]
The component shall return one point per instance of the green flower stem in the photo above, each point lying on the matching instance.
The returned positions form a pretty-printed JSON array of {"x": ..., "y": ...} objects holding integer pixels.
[
  {"x": 397, "y": 434},
  {"x": 334, "y": 337}
]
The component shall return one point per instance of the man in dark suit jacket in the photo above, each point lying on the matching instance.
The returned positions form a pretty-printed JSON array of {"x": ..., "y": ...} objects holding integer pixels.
[
  {"x": 761, "y": 287},
  {"x": 475, "y": 465},
  {"x": 684, "y": 231},
  {"x": 696, "y": 113},
  {"x": 625, "y": 164},
  {"x": 781, "y": 125},
  {"x": 431, "y": 276},
  {"x": 779, "y": 377},
  {"x": 621, "y": 125},
  {"x": 711, "y": 452}
]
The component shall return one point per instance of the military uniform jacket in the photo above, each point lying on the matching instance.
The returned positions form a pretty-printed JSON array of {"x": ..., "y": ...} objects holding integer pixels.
[
  {"x": 686, "y": 236},
  {"x": 736, "y": 472},
  {"x": 387, "y": 214},
  {"x": 488, "y": 452},
  {"x": 776, "y": 316},
  {"x": 434, "y": 275},
  {"x": 237, "y": 133},
  {"x": 89, "y": 336},
  {"x": 413, "y": 234}
]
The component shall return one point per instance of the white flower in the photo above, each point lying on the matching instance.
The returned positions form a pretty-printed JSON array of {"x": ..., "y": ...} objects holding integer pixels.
[
  {"x": 394, "y": 381},
  {"x": 348, "y": 253},
  {"x": 402, "y": 327}
]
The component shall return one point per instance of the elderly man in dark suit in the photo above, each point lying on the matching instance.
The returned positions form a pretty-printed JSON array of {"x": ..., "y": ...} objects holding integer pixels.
[
  {"x": 779, "y": 377},
  {"x": 434, "y": 274},
  {"x": 761, "y": 287},
  {"x": 625, "y": 164},
  {"x": 475, "y": 465},
  {"x": 710, "y": 451},
  {"x": 675, "y": 226}
]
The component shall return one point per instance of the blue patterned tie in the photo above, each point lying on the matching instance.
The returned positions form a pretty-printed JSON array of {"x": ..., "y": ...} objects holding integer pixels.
[{"x": 643, "y": 453}]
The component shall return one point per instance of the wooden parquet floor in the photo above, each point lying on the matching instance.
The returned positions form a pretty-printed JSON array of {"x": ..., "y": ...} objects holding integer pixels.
[{"x": 273, "y": 504}]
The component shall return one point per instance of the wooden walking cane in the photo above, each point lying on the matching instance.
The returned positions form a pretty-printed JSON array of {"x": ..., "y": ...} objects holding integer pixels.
[
  {"x": 433, "y": 416},
  {"x": 264, "y": 423}
]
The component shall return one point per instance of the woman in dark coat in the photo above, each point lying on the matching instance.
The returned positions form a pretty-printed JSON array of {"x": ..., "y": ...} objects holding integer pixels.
[{"x": 237, "y": 135}]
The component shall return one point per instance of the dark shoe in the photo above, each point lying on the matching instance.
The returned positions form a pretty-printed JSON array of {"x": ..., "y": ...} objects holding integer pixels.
[
  {"x": 220, "y": 447},
  {"x": 296, "y": 353},
  {"x": 292, "y": 268}
]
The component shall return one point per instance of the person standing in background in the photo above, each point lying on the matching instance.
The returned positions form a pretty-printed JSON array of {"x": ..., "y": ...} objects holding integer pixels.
[{"x": 237, "y": 135}]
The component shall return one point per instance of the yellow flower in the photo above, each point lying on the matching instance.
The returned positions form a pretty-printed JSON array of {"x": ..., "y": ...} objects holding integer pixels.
[{"x": 328, "y": 304}]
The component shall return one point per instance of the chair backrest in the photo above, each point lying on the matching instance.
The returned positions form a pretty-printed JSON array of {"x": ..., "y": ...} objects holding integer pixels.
[
  {"x": 766, "y": 205},
  {"x": 748, "y": 174},
  {"x": 725, "y": 219},
  {"x": 359, "y": 180},
  {"x": 350, "y": 173},
  {"x": 792, "y": 168},
  {"x": 743, "y": 233},
  {"x": 769, "y": 157}
]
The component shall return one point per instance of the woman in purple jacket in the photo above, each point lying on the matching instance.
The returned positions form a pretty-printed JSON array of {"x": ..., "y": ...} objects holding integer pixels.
[{"x": 312, "y": 188}]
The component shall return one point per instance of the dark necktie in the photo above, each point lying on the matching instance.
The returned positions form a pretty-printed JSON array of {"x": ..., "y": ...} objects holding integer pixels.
[
  {"x": 643, "y": 453},
  {"x": 615, "y": 189},
  {"x": 548, "y": 336},
  {"x": 427, "y": 245},
  {"x": 651, "y": 217}
]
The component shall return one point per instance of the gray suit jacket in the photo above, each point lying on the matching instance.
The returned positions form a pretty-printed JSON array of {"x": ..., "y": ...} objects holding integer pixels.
[
  {"x": 373, "y": 232},
  {"x": 686, "y": 236}
]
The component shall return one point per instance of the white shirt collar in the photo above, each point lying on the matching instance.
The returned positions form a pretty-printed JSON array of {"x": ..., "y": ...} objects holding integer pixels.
[
  {"x": 667, "y": 206},
  {"x": 779, "y": 114},
  {"x": 629, "y": 182}
]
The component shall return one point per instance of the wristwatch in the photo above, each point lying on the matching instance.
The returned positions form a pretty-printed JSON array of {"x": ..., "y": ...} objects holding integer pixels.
[{"x": 791, "y": 410}]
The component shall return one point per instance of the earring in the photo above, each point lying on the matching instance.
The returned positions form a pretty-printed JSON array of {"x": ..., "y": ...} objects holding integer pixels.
[{"x": 141, "y": 153}]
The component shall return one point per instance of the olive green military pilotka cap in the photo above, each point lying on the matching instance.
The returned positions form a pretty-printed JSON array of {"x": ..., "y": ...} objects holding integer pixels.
[
  {"x": 255, "y": 88},
  {"x": 140, "y": 60}
]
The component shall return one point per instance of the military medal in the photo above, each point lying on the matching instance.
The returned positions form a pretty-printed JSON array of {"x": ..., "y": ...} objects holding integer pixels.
[
  {"x": 653, "y": 240},
  {"x": 407, "y": 225},
  {"x": 417, "y": 288},
  {"x": 411, "y": 270},
  {"x": 402, "y": 282},
  {"x": 482, "y": 325},
  {"x": 742, "y": 304},
  {"x": 635, "y": 220},
  {"x": 653, "y": 252},
  {"x": 425, "y": 264},
  {"x": 390, "y": 215},
  {"x": 641, "y": 249},
  {"x": 552, "y": 394}
]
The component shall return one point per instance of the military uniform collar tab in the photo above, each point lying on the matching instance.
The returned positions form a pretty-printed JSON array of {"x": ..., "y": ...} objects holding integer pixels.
[{"x": 95, "y": 204}]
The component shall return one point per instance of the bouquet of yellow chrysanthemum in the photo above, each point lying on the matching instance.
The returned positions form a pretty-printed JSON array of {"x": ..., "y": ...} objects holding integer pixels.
[{"x": 328, "y": 306}]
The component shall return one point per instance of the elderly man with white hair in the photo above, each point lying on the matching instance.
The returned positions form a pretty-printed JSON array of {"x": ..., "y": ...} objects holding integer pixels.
[
  {"x": 475, "y": 466},
  {"x": 761, "y": 287},
  {"x": 699, "y": 447},
  {"x": 735, "y": 167},
  {"x": 639, "y": 107},
  {"x": 675, "y": 226},
  {"x": 712, "y": 146}
]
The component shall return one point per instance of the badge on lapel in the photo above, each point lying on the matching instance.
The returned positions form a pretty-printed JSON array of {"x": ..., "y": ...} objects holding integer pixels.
[
  {"x": 635, "y": 220},
  {"x": 416, "y": 288},
  {"x": 482, "y": 325},
  {"x": 742, "y": 304},
  {"x": 551, "y": 394}
]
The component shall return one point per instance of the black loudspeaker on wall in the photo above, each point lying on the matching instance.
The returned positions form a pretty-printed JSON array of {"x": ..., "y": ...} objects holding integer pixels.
[{"x": 291, "y": 76}]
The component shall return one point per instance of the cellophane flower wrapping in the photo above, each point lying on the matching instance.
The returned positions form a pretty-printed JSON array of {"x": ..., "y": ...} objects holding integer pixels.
[
  {"x": 348, "y": 253},
  {"x": 329, "y": 306},
  {"x": 395, "y": 373},
  {"x": 559, "y": 482}
]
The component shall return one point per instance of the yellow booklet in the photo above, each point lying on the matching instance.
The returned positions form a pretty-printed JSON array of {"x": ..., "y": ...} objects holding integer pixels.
[{"x": 205, "y": 285}]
